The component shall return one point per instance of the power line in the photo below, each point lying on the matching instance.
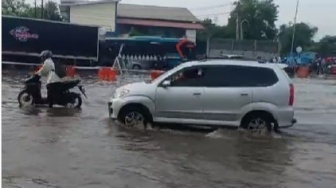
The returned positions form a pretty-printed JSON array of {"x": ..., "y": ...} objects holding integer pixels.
[
  {"x": 211, "y": 7},
  {"x": 215, "y": 14}
]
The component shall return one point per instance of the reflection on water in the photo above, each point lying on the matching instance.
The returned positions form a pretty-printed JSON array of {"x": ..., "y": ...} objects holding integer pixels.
[
  {"x": 52, "y": 112},
  {"x": 63, "y": 147},
  {"x": 63, "y": 112}
]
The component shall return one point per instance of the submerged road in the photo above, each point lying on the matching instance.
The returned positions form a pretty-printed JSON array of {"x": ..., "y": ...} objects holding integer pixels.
[{"x": 66, "y": 148}]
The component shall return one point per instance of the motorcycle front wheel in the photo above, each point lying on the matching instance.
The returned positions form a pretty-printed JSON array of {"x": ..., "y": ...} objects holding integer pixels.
[{"x": 24, "y": 98}]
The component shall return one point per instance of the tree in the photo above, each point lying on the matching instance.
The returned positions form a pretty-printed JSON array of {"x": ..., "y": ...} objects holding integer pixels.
[
  {"x": 327, "y": 46},
  {"x": 22, "y": 9},
  {"x": 51, "y": 11},
  {"x": 256, "y": 17},
  {"x": 211, "y": 30},
  {"x": 304, "y": 35},
  {"x": 14, "y": 7}
]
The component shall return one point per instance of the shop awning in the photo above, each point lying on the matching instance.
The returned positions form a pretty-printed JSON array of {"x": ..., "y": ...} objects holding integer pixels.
[{"x": 157, "y": 23}]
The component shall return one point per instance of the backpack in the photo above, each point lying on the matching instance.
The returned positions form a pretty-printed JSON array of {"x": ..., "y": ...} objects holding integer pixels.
[{"x": 60, "y": 70}]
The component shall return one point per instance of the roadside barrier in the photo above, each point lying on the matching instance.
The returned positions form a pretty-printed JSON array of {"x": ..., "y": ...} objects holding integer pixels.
[
  {"x": 333, "y": 70},
  {"x": 155, "y": 73},
  {"x": 103, "y": 73},
  {"x": 302, "y": 72},
  {"x": 70, "y": 71},
  {"x": 107, "y": 74},
  {"x": 111, "y": 74}
]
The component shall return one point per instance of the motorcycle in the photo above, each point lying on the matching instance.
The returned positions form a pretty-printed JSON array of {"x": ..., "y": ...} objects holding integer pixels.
[
  {"x": 331, "y": 68},
  {"x": 31, "y": 94}
]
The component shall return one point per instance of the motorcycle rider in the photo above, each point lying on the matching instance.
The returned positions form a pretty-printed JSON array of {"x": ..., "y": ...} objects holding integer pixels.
[{"x": 50, "y": 70}]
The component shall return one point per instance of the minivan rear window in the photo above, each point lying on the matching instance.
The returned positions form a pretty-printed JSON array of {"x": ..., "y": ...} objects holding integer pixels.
[{"x": 239, "y": 76}]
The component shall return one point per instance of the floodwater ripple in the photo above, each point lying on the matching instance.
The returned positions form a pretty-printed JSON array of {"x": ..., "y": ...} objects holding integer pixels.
[{"x": 65, "y": 148}]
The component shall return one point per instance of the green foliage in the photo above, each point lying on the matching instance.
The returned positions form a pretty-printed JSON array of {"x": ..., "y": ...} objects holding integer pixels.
[
  {"x": 257, "y": 17},
  {"x": 260, "y": 16},
  {"x": 22, "y": 9},
  {"x": 14, "y": 7},
  {"x": 327, "y": 46},
  {"x": 134, "y": 33},
  {"x": 304, "y": 35},
  {"x": 211, "y": 31}
]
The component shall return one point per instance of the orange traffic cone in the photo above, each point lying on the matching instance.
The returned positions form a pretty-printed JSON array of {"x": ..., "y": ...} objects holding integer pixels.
[
  {"x": 70, "y": 71},
  {"x": 155, "y": 73},
  {"x": 302, "y": 72}
]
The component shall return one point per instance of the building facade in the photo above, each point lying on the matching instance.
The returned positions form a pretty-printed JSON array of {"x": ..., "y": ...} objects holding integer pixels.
[
  {"x": 129, "y": 20},
  {"x": 157, "y": 21},
  {"x": 97, "y": 13}
]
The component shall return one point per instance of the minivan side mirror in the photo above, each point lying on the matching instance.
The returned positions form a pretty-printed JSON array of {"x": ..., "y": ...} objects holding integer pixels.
[{"x": 166, "y": 83}]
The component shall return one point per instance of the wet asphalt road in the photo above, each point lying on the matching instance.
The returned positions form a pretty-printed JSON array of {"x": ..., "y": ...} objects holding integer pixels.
[{"x": 65, "y": 148}]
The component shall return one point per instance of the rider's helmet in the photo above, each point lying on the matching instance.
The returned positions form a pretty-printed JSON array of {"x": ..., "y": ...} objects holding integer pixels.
[{"x": 45, "y": 54}]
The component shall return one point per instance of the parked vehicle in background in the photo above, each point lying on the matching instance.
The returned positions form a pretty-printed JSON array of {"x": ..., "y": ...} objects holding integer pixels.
[
  {"x": 304, "y": 58},
  {"x": 228, "y": 56},
  {"x": 23, "y": 39},
  {"x": 217, "y": 93},
  {"x": 331, "y": 68},
  {"x": 81, "y": 45},
  {"x": 145, "y": 52},
  {"x": 146, "y": 64}
]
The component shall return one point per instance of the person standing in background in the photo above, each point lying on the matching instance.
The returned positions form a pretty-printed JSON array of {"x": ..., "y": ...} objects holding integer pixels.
[
  {"x": 323, "y": 66},
  {"x": 279, "y": 59}
]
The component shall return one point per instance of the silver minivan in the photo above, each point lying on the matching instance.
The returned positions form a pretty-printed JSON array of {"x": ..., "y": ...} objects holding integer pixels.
[{"x": 228, "y": 92}]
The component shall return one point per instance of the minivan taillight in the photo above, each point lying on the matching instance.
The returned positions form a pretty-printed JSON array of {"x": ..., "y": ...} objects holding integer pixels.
[{"x": 291, "y": 94}]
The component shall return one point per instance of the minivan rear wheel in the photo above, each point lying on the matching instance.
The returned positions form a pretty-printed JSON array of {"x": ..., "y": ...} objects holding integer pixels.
[{"x": 257, "y": 123}]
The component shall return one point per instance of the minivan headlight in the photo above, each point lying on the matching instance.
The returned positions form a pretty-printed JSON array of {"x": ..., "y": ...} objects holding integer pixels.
[{"x": 121, "y": 93}]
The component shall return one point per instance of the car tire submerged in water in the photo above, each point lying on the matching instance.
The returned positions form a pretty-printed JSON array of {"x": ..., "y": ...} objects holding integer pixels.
[
  {"x": 257, "y": 122},
  {"x": 24, "y": 98},
  {"x": 134, "y": 115}
]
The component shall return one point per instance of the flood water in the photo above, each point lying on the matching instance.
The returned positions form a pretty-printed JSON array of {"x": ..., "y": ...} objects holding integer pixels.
[{"x": 65, "y": 148}]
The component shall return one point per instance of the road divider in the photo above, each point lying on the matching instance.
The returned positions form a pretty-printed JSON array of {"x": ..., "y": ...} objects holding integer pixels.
[{"x": 103, "y": 73}]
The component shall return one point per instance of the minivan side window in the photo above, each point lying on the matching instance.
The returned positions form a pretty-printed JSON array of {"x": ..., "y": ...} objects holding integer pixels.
[
  {"x": 189, "y": 77},
  {"x": 239, "y": 76}
]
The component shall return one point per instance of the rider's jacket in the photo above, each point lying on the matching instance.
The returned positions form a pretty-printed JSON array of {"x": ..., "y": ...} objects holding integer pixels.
[{"x": 48, "y": 69}]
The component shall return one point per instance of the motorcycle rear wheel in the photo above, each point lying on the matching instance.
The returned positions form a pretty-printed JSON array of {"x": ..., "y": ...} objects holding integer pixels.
[
  {"x": 77, "y": 101},
  {"x": 24, "y": 98}
]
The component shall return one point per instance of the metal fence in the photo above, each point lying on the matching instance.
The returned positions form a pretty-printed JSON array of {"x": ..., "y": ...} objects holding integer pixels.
[{"x": 247, "y": 48}]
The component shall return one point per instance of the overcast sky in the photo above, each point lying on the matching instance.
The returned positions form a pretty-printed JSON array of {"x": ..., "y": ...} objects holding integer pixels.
[{"x": 315, "y": 12}]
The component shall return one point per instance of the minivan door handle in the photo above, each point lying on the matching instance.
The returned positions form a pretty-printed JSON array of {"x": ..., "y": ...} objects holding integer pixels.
[
  {"x": 196, "y": 94},
  {"x": 244, "y": 94}
]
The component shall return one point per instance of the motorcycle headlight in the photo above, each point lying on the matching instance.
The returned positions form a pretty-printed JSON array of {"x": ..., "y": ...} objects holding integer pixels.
[{"x": 121, "y": 93}]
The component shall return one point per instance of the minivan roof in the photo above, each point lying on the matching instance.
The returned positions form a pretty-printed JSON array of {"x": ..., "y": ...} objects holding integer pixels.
[{"x": 232, "y": 62}]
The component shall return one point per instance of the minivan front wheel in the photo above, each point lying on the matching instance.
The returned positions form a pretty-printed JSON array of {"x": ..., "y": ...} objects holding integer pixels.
[
  {"x": 133, "y": 116},
  {"x": 257, "y": 123}
]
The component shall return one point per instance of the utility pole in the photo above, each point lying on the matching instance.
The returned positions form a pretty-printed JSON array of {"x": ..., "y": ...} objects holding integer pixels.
[
  {"x": 237, "y": 20},
  {"x": 294, "y": 26},
  {"x": 42, "y": 11},
  {"x": 241, "y": 28},
  {"x": 35, "y": 9},
  {"x": 237, "y": 27}
]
